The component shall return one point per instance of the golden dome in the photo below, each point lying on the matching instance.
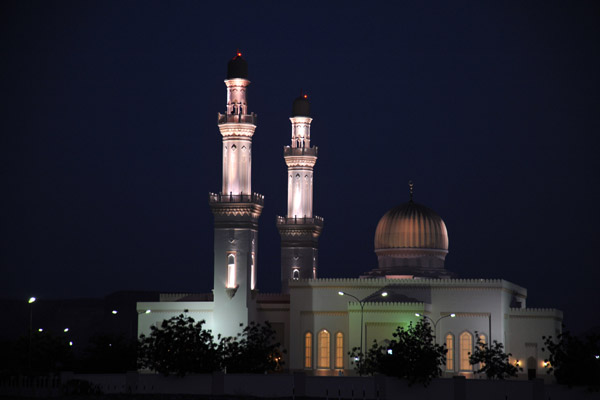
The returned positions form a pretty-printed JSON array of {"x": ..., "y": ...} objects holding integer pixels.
[{"x": 411, "y": 226}]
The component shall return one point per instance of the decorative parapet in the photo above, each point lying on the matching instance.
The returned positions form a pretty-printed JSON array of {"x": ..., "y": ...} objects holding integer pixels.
[
  {"x": 396, "y": 305},
  {"x": 273, "y": 298},
  {"x": 255, "y": 198},
  {"x": 300, "y": 221},
  {"x": 173, "y": 296},
  {"x": 415, "y": 282},
  {"x": 165, "y": 297},
  {"x": 535, "y": 312},
  {"x": 237, "y": 118},
  {"x": 300, "y": 151}
]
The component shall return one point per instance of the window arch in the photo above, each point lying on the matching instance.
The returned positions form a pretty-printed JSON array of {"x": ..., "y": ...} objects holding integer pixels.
[
  {"x": 323, "y": 350},
  {"x": 308, "y": 350},
  {"x": 450, "y": 353},
  {"x": 466, "y": 347},
  {"x": 296, "y": 274},
  {"x": 230, "y": 270},
  {"x": 339, "y": 350}
]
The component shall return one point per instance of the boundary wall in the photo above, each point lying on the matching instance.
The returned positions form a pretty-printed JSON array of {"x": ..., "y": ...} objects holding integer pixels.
[{"x": 291, "y": 386}]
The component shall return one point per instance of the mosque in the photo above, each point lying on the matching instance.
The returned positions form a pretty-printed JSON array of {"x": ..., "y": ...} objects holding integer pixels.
[{"x": 317, "y": 320}]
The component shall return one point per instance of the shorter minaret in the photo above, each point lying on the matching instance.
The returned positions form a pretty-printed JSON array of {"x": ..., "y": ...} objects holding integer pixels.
[{"x": 299, "y": 230}]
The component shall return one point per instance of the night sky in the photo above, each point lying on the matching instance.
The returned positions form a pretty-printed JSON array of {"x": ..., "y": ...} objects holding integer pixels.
[{"x": 110, "y": 143}]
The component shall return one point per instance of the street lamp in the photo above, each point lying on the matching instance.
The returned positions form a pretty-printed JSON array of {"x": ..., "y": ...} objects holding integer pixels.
[
  {"x": 435, "y": 322},
  {"x": 362, "y": 309},
  {"x": 30, "y": 302}
]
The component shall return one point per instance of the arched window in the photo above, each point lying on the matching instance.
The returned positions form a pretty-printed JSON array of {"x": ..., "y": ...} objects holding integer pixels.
[
  {"x": 466, "y": 347},
  {"x": 450, "y": 354},
  {"x": 308, "y": 350},
  {"x": 252, "y": 272},
  {"x": 323, "y": 350},
  {"x": 231, "y": 271},
  {"x": 339, "y": 350},
  {"x": 296, "y": 274}
]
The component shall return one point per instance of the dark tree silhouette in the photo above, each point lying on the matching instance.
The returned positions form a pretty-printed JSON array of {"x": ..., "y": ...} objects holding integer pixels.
[
  {"x": 179, "y": 346},
  {"x": 109, "y": 353},
  {"x": 411, "y": 355},
  {"x": 574, "y": 361},
  {"x": 255, "y": 350},
  {"x": 494, "y": 361}
]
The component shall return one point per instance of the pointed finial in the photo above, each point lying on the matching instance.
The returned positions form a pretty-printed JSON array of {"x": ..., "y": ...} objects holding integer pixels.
[{"x": 411, "y": 187}]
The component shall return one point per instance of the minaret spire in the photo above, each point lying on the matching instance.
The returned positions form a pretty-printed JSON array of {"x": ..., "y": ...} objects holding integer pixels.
[
  {"x": 411, "y": 187},
  {"x": 236, "y": 209},
  {"x": 299, "y": 230}
]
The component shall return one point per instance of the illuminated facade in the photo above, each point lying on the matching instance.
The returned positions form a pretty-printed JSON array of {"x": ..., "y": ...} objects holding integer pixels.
[
  {"x": 316, "y": 325},
  {"x": 236, "y": 209}
]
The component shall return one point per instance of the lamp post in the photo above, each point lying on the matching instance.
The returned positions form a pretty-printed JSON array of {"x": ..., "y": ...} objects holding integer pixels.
[
  {"x": 30, "y": 302},
  {"x": 435, "y": 322},
  {"x": 362, "y": 309}
]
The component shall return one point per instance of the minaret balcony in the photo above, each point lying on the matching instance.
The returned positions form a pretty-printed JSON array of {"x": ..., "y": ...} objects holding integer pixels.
[
  {"x": 237, "y": 118},
  {"x": 300, "y": 151},
  {"x": 254, "y": 198},
  {"x": 300, "y": 221}
]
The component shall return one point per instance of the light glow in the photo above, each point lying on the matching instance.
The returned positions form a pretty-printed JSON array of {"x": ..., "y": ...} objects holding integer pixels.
[
  {"x": 40, "y": 330},
  {"x": 148, "y": 312},
  {"x": 115, "y": 312},
  {"x": 31, "y": 300},
  {"x": 66, "y": 330},
  {"x": 417, "y": 314},
  {"x": 384, "y": 294},
  {"x": 452, "y": 315},
  {"x": 341, "y": 293},
  {"x": 239, "y": 54},
  {"x": 390, "y": 352},
  {"x": 70, "y": 343}
]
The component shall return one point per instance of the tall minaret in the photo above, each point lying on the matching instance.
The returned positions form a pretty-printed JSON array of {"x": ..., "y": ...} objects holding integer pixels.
[
  {"x": 300, "y": 230},
  {"x": 236, "y": 210}
]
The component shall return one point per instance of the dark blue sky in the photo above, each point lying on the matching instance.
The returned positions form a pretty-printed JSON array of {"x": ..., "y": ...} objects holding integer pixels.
[{"x": 110, "y": 144}]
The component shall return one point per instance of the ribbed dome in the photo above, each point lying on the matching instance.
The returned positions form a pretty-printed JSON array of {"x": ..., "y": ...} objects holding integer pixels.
[{"x": 411, "y": 226}]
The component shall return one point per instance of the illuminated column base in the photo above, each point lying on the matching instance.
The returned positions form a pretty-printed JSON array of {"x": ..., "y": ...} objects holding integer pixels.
[{"x": 235, "y": 258}]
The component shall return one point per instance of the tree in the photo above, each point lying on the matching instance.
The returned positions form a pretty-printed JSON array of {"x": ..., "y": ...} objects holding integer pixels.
[
  {"x": 43, "y": 353},
  {"x": 574, "y": 361},
  {"x": 255, "y": 350},
  {"x": 109, "y": 353},
  {"x": 411, "y": 355},
  {"x": 179, "y": 346},
  {"x": 494, "y": 361}
]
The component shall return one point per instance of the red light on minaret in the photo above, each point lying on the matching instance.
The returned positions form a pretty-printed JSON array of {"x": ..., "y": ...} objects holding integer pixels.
[
  {"x": 306, "y": 96},
  {"x": 239, "y": 54}
]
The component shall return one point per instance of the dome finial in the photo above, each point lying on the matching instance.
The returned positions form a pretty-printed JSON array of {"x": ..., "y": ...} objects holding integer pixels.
[{"x": 411, "y": 187}]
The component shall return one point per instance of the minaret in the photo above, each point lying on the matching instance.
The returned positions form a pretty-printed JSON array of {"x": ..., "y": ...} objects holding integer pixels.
[
  {"x": 299, "y": 230},
  {"x": 236, "y": 210}
]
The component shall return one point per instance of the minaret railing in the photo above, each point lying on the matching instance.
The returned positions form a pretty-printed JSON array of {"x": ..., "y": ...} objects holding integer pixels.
[
  {"x": 237, "y": 118},
  {"x": 300, "y": 220},
  {"x": 300, "y": 151},
  {"x": 256, "y": 198}
]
